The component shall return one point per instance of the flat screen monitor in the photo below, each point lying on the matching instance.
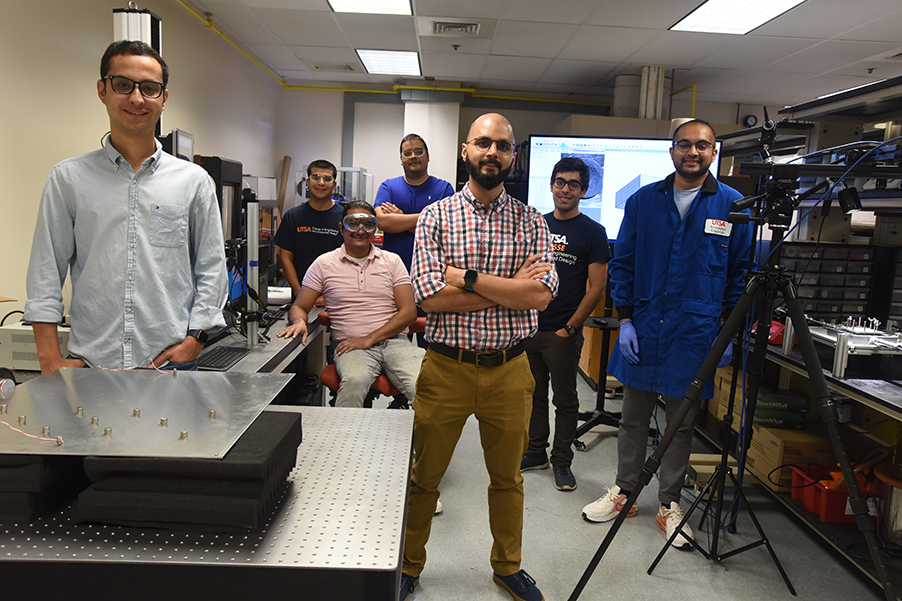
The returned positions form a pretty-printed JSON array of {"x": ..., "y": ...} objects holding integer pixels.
[{"x": 618, "y": 167}]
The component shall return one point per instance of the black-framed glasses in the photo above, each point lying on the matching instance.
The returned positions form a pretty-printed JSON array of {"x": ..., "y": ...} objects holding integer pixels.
[
  {"x": 126, "y": 85},
  {"x": 352, "y": 223},
  {"x": 484, "y": 143},
  {"x": 685, "y": 145},
  {"x": 413, "y": 152},
  {"x": 317, "y": 177},
  {"x": 574, "y": 184}
]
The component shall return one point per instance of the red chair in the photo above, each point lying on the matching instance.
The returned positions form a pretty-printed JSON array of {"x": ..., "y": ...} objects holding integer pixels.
[{"x": 381, "y": 384}]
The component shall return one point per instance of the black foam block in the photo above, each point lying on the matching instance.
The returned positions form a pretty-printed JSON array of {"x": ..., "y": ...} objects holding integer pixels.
[{"x": 235, "y": 493}]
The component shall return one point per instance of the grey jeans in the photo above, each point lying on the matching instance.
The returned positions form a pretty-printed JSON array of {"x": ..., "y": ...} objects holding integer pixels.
[
  {"x": 632, "y": 443},
  {"x": 398, "y": 358}
]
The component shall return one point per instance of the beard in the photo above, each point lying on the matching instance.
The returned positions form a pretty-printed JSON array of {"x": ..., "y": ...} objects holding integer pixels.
[
  {"x": 489, "y": 181},
  {"x": 702, "y": 172}
]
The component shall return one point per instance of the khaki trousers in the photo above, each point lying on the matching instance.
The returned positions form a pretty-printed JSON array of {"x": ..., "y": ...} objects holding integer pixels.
[{"x": 448, "y": 392}]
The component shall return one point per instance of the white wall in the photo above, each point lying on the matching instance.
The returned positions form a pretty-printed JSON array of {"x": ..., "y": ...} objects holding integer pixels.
[
  {"x": 378, "y": 129},
  {"x": 309, "y": 128},
  {"x": 51, "y": 57}
]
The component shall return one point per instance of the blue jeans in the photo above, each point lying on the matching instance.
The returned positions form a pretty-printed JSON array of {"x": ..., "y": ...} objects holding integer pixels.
[{"x": 397, "y": 358}]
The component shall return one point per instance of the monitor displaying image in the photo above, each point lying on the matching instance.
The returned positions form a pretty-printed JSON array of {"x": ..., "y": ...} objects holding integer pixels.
[{"x": 617, "y": 166}]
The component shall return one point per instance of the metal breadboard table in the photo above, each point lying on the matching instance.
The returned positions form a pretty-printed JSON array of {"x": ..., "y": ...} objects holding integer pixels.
[{"x": 337, "y": 534}]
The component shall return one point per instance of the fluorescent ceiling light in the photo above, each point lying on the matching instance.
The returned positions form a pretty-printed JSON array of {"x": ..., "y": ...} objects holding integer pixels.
[
  {"x": 733, "y": 16},
  {"x": 373, "y": 7},
  {"x": 390, "y": 62}
]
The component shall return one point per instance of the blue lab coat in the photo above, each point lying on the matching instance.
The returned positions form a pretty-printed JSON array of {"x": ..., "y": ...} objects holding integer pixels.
[{"x": 674, "y": 278}]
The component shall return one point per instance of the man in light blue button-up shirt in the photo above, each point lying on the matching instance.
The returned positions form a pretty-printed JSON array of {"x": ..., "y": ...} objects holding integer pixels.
[{"x": 140, "y": 231}]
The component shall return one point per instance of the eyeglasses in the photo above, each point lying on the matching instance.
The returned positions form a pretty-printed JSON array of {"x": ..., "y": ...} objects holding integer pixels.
[
  {"x": 125, "y": 85},
  {"x": 483, "y": 143},
  {"x": 353, "y": 223},
  {"x": 685, "y": 145},
  {"x": 574, "y": 185},
  {"x": 415, "y": 152},
  {"x": 317, "y": 177}
]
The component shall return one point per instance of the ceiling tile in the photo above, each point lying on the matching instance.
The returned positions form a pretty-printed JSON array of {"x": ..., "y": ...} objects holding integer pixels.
[
  {"x": 514, "y": 68},
  {"x": 678, "y": 48},
  {"x": 379, "y": 32},
  {"x": 543, "y": 11},
  {"x": 609, "y": 44},
  {"x": 653, "y": 15},
  {"x": 479, "y": 9},
  {"x": 519, "y": 38},
  {"x": 320, "y": 53},
  {"x": 241, "y": 25},
  {"x": 466, "y": 45},
  {"x": 825, "y": 19},
  {"x": 879, "y": 30},
  {"x": 584, "y": 73},
  {"x": 451, "y": 65},
  {"x": 301, "y": 27},
  {"x": 276, "y": 57},
  {"x": 320, "y": 5},
  {"x": 753, "y": 51},
  {"x": 828, "y": 55}
]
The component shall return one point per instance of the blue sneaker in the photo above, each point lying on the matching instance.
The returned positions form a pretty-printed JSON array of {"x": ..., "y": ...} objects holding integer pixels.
[
  {"x": 520, "y": 586},
  {"x": 408, "y": 583}
]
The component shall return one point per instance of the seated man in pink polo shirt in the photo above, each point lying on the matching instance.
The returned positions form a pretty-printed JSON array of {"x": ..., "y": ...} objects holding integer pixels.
[{"x": 370, "y": 303}]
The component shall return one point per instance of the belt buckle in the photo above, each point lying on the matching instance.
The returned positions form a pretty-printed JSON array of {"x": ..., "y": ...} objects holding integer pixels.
[{"x": 490, "y": 359}]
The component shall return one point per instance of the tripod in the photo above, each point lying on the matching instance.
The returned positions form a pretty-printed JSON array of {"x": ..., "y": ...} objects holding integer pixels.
[{"x": 769, "y": 281}]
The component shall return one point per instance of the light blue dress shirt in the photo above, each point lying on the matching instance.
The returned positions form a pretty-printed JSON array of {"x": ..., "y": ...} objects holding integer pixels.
[{"x": 145, "y": 250}]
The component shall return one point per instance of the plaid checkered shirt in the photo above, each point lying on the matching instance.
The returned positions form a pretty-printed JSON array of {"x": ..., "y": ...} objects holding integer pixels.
[{"x": 497, "y": 240}]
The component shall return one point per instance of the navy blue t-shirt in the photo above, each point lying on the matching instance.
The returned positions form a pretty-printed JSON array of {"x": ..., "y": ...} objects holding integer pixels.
[
  {"x": 578, "y": 242},
  {"x": 308, "y": 233}
]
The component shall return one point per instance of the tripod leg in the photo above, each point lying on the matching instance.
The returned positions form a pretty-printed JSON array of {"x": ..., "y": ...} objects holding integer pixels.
[
  {"x": 693, "y": 394},
  {"x": 830, "y": 415}
]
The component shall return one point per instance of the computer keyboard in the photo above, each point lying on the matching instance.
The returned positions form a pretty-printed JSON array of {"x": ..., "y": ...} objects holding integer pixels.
[{"x": 221, "y": 358}]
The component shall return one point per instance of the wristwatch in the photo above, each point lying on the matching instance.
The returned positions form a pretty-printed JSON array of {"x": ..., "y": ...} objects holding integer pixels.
[
  {"x": 570, "y": 330},
  {"x": 470, "y": 279},
  {"x": 199, "y": 334}
]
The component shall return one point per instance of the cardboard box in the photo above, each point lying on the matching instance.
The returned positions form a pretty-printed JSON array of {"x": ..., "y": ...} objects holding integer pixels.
[{"x": 773, "y": 448}]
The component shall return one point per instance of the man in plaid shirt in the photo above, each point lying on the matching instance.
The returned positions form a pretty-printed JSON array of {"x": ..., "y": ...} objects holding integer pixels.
[{"x": 482, "y": 269}]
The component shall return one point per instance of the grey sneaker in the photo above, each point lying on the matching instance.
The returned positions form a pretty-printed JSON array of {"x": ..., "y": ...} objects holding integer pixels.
[
  {"x": 563, "y": 477},
  {"x": 534, "y": 462}
]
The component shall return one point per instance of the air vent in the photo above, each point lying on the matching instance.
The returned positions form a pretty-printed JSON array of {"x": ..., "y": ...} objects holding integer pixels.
[
  {"x": 894, "y": 57},
  {"x": 461, "y": 29}
]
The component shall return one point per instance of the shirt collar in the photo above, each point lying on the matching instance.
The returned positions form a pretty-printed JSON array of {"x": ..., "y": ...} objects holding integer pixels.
[
  {"x": 495, "y": 205},
  {"x": 709, "y": 186},
  {"x": 118, "y": 160},
  {"x": 374, "y": 252}
]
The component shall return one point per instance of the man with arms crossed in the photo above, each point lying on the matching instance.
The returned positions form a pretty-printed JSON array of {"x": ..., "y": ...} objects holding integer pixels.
[
  {"x": 400, "y": 200},
  {"x": 581, "y": 254},
  {"x": 367, "y": 294},
  {"x": 140, "y": 231},
  {"x": 678, "y": 264},
  {"x": 482, "y": 270}
]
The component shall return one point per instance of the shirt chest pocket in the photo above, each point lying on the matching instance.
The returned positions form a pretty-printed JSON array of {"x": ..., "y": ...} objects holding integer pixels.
[
  {"x": 713, "y": 252},
  {"x": 168, "y": 225}
]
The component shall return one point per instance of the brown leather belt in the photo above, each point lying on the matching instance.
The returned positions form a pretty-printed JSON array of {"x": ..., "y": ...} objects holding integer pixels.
[{"x": 478, "y": 358}]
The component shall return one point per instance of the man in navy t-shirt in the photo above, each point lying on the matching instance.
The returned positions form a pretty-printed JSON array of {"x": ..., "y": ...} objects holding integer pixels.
[
  {"x": 400, "y": 200},
  {"x": 310, "y": 229},
  {"x": 581, "y": 255}
]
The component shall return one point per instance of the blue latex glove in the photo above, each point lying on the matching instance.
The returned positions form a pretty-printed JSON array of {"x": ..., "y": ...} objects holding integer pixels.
[
  {"x": 727, "y": 356},
  {"x": 629, "y": 342}
]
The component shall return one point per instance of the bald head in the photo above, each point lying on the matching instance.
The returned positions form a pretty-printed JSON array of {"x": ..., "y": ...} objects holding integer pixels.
[{"x": 493, "y": 122}]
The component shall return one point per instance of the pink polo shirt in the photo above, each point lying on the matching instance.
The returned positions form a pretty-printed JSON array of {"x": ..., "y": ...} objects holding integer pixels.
[{"x": 359, "y": 298}]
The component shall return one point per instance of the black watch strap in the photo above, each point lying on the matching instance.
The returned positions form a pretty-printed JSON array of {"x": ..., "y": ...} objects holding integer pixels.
[
  {"x": 199, "y": 334},
  {"x": 570, "y": 330}
]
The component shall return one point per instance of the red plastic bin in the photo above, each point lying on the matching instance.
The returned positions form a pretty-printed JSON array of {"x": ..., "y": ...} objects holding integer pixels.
[{"x": 829, "y": 504}]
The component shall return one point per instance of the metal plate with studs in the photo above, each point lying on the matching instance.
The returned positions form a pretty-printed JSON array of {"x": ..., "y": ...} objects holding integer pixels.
[
  {"x": 339, "y": 525},
  {"x": 136, "y": 413}
]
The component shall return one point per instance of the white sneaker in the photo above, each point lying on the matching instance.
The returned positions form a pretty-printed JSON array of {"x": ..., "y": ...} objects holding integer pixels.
[
  {"x": 608, "y": 507},
  {"x": 668, "y": 519},
  {"x": 438, "y": 508}
]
